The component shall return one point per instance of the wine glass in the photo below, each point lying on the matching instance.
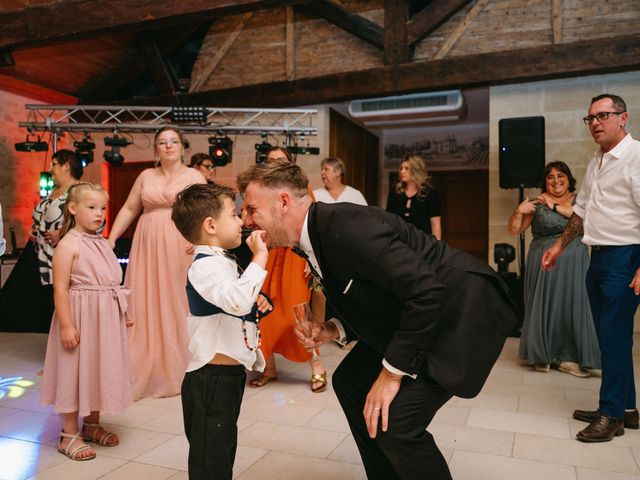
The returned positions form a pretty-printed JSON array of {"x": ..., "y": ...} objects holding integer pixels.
[{"x": 305, "y": 324}]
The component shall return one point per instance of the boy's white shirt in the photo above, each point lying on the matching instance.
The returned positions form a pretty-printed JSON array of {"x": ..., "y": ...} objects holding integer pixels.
[{"x": 216, "y": 279}]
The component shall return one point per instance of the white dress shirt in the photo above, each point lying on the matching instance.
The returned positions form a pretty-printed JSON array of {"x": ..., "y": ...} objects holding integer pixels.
[
  {"x": 306, "y": 247},
  {"x": 609, "y": 199},
  {"x": 349, "y": 194},
  {"x": 216, "y": 279}
]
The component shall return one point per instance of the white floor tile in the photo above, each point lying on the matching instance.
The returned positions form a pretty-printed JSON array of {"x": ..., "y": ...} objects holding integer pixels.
[
  {"x": 287, "y": 438},
  {"x": 608, "y": 456},
  {"x": 286, "y": 466},
  {"x": 519, "y": 422},
  {"x": 139, "y": 471},
  {"x": 479, "y": 466}
]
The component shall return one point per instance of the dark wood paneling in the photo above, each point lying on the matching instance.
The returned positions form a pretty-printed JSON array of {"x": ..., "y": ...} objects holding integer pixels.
[
  {"x": 359, "y": 149},
  {"x": 121, "y": 180},
  {"x": 465, "y": 209}
]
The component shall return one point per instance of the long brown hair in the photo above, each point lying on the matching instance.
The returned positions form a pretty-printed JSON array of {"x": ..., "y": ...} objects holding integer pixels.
[{"x": 73, "y": 194}]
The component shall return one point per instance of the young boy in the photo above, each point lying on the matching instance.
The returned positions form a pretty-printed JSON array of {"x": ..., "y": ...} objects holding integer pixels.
[{"x": 223, "y": 325}]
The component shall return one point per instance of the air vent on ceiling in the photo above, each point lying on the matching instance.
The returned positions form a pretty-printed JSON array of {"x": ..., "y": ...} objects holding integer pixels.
[{"x": 415, "y": 108}]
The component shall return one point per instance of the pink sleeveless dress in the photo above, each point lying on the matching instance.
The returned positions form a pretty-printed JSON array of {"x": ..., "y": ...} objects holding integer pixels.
[
  {"x": 94, "y": 376},
  {"x": 157, "y": 275}
]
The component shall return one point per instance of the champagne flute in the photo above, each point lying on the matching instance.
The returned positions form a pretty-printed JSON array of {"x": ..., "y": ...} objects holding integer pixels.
[{"x": 305, "y": 324}]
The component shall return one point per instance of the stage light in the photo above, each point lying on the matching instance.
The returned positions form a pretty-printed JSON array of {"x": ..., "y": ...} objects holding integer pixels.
[
  {"x": 189, "y": 114},
  {"x": 30, "y": 145},
  {"x": 304, "y": 150},
  {"x": 46, "y": 184},
  {"x": 84, "y": 150},
  {"x": 503, "y": 255},
  {"x": 221, "y": 150},
  {"x": 261, "y": 151},
  {"x": 113, "y": 156}
]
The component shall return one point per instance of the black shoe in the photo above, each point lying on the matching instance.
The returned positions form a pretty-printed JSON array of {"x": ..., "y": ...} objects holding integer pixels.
[
  {"x": 631, "y": 419},
  {"x": 602, "y": 429}
]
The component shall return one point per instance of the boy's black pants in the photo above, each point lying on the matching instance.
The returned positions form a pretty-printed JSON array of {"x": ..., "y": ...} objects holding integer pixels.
[{"x": 211, "y": 398}]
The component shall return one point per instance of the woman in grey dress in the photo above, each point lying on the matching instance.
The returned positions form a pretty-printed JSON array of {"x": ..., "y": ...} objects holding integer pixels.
[{"x": 558, "y": 328}]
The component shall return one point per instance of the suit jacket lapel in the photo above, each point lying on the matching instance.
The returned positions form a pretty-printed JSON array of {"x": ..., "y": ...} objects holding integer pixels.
[{"x": 314, "y": 235}]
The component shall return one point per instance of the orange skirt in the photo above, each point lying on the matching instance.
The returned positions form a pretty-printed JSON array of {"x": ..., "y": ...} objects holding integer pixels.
[{"x": 287, "y": 286}]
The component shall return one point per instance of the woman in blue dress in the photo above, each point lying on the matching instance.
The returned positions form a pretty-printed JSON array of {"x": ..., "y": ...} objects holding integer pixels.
[{"x": 558, "y": 328}]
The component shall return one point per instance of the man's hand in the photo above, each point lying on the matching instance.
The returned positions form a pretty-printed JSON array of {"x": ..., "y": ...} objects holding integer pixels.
[
  {"x": 321, "y": 333},
  {"x": 550, "y": 256},
  {"x": 635, "y": 283},
  {"x": 382, "y": 393}
]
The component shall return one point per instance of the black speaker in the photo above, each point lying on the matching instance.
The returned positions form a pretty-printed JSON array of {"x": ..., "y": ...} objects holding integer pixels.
[{"x": 521, "y": 152}]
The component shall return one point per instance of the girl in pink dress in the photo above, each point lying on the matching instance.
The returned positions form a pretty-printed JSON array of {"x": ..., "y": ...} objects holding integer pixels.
[
  {"x": 86, "y": 369},
  {"x": 158, "y": 264}
]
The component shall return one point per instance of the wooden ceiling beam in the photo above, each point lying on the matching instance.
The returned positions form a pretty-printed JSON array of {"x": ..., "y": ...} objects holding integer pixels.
[
  {"x": 72, "y": 19},
  {"x": 396, "y": 49},
  {"x": 528, "y": 64},
  {"x": 163, "y": 75},
  {"x": 334, "y": 12},
  {"x": 431, "y": 17}
]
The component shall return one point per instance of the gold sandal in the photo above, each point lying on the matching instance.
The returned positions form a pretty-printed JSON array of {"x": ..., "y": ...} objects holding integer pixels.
[
  {"x": 103, "y": 440},
  {"x": 261, "y": 380},
  {"x": 73, "y": 454},
  {"x": 319, "y": 378}
]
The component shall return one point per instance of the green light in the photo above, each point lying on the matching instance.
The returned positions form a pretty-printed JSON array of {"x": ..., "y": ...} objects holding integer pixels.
[{"x": 46, "y": 184}]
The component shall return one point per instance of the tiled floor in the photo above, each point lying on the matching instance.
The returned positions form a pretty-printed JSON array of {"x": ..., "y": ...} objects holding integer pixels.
[{"x": 519, "y": 427}]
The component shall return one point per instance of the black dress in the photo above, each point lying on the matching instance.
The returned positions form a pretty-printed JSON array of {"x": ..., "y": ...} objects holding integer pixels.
[{"x": 416, "y": 210}]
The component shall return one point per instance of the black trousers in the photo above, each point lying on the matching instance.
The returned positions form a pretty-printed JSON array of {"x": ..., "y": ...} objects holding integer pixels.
[
  {"x": 406, "y": 450},
  {"x": 211, "y": 398}
]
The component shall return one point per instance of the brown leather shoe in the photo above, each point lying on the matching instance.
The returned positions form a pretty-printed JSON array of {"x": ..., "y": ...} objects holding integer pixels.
[
  {"x": 631, "y": 417},
  {"x": 602, "y": 429}
]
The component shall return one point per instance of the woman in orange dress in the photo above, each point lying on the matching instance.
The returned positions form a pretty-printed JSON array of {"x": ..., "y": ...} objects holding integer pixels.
[{"x": 288, "y": 285}]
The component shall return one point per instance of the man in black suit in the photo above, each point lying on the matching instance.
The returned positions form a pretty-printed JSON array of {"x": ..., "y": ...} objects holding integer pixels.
[{"x": 430, "y": 320}]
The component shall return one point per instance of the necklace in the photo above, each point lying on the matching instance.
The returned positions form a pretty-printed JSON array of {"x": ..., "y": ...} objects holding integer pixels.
[
  {"x": 258, "y": 334},
  {"x": 244, "y": 322}
]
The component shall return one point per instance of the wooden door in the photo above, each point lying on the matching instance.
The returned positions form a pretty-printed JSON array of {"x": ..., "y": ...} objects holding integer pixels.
[
  {"x": 359, "y": 150},
  {"x": 121, "y": 180}
]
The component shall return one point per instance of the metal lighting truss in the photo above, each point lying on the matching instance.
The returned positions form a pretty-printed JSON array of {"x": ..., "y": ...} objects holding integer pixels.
[{"x": 99, "y": 118}]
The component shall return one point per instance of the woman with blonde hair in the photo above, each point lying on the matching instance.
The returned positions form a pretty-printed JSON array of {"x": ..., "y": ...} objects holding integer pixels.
[
  {"x": 157, "y": 270},
  {"x": 414, "y": 199}
]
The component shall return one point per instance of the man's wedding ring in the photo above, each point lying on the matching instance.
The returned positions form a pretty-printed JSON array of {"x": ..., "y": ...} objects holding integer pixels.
[{"x": 376, "y": 409}]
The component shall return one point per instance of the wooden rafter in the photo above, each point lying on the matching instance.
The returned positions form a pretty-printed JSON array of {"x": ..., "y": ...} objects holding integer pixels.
[
  {"x": 333, "y": 11},
  {"x": 557, "y": 15},
  {"x": 528, "y": 64},
  {"x": 108, "y": 85},
  {"x": 221, "y": 52},
  {"x": 72, "y": 19},
  {"x": 396, "y": 49},
  {"x": 290, "y": 46},
  {"x": 462, "y": 26},
  {"x": 162, "y": 76},
  {"x": 431, "y": 17}
]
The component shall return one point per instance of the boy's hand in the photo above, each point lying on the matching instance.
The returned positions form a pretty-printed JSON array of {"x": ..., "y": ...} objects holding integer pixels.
[
  {"x": 263, "y": 304},
  {"x": 69, "y": 337},
  {"x": 258, "y": 247}
]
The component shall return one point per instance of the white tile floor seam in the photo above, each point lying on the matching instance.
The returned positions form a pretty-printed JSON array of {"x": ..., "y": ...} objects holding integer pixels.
[{"x": 519, "y": 426}]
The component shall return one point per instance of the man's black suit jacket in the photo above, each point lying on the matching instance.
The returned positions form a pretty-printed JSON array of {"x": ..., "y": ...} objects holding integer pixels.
[{"x": 428, "y": 308}]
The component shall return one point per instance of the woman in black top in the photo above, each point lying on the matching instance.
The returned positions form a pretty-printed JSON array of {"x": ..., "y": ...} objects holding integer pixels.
[{"x": 414, "y": 199}]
